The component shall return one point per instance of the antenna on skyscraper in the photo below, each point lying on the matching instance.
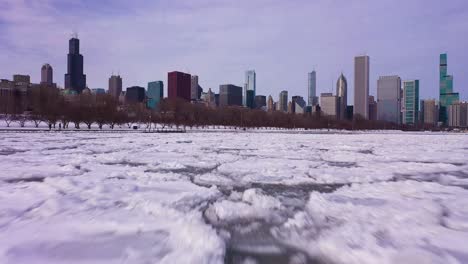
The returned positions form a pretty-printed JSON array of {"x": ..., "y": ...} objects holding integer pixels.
[{"x": 74, "y": 34}]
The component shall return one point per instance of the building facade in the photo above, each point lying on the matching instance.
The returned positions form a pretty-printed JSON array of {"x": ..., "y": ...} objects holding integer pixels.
[
  {"x": 457, "y": 114},
  {"x": 115, "y": 86},
  {"x": 342, "y": 94},
  {"x": 312, "y": 88},
  {"x": 411, "y": 102},
  {"x": 329, "y": 105},
  {"x": 270, "y": 104},
  {"x": 283, "y": 101},
  {"x": 260, "y": 101},
  {"x": 250, "y": 99},
  {"x": 179, "y": 85},
  {"x": 249, "y": 85},
  {"x": 446, "y": 95},
  {"x": 135, "y": 94},
  {"x": 429, "y": 112},
  {"x": 230, "y": 95},
  {"x": 47, "y": 75},
  {"x": 154, "y": 94},
  {"x": 361, "y": 86},
  {"x": 194, "y": 91},
  {"x": 389, "y": 99},
  {"x": 75, "y": 79}
]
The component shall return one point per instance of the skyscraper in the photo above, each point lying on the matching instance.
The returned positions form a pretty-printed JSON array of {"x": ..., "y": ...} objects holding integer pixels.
[
  {"x": 135, "y": 94},
  {"x": 250, "y": 85},
  {"x": 411, "y": 102},
  {"x": 179, "y": 85},
  {"x": 342, "y": 95},
  {"x": 329, "y": 105},
  {"x": 446, "y": 95},
  {"x": 260, "y": 101},
  {"x": 194, "y": 88},
  {"x": 429, "y": 112},
  {"x": 283, "y": 101},
  {"x": 270, "y": 104},
  {"x": 388, "y": 99},
  {"x": 312, "y": 88},
  {"x": 47, "y": 75},
  {"x": 75, "y": 79},
  {"x": 250, "y": 99},
  {"x": 115, "y": 86},
  {"x": 155, "y": 94},
  {"x": 230, "y": 95},
  {"x": 361, "y": 86}
]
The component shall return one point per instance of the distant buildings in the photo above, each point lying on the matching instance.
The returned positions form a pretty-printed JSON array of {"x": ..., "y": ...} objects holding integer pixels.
[
  {"x": 429, "y": 112},
  {"x": 361, "y": 86},
  {"x": 389, "y": 99},
  {"x": 96, "y": 91},
  {"x": 372, "y": 108},
  {"x": 47, "y": 75},
  {"x": 179, "y": 85},
  {"x": 329, "y": 105},
  {"x": 115, "y": 86},
  {"x": 312, "y": 88},
  {"x": 342, "y": 96},
  {"x": 298, "y": 104},
  {"x": 194, "y": 88},
  {"x": 135, "y": 94},
  {"x": 230, "y": 95},
  {"x": 270, "y": 104},
  {"x": 457, "y": 114},
  {"x": 154, "y": 94},
  {"x": 250, "y": 85},
  {"x": 250, "y": 99},
  {"x": 411, "y": 102},
  {"x": 260, "y": 101},
  {"x": 446, "y": 95},
  {"x": 74, "y": 78},
  {"x": 209, "y": 98},
  {"x": 283, "y": 101}
]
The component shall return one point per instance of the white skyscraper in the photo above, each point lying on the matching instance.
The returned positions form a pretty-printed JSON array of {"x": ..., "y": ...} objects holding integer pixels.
[{"x": 361, "y": 86}]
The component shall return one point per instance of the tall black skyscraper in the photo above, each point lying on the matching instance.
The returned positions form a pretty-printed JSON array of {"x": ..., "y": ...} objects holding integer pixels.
[{"x": 75, "y": 79}]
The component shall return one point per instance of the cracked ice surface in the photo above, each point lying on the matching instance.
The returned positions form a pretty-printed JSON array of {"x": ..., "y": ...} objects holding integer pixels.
[{"x": 233, "y": 198}]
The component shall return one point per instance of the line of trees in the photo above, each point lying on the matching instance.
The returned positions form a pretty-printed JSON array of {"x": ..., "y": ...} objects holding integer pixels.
[{"x": 49, "y": 105}]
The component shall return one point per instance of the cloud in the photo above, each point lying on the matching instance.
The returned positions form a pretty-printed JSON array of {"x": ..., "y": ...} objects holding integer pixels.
[{"x": 219, "y": 40}]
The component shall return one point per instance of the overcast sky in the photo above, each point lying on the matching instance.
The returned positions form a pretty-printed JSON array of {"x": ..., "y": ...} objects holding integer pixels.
[{"x": 219, "y": 40}]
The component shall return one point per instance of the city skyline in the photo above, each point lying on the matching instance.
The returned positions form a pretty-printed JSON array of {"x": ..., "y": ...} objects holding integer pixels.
[{"x": 226, "y": 59}]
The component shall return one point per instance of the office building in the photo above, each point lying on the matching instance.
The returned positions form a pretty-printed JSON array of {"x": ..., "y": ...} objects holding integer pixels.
[
  {"x": 115, "y": 86},
  {"x": 249, "y": 85},
  {"x": 270, "y": 104},
  {"x": 389, "y": 99},
  {"x": 329, "y": 105},
  {"x": 446, "y": 96},
  {"x": 429, "y": 112},
  {"x": 372, "y": 108},
  {"x": 283, "y": 101},
  {"x": 361, "y": 86},
  {"x": 96, "y": 91},
  {"x": 230, "y": 95},
  {"x": 134, "y": 94},
  {"x": 194, "y": 91},
  {"x": 312, "y": 88},
  {"x": 457, "y": 114},
  {"x": 209, "y": 98},
  {"x": 342, "y": 95},
  {"x": 179, "y": 85},
  {"x": 411, "y": 102},
  {"x": 260, "y": 101},
  {"x": 250, "y": 99},
  {"x": 154, "y": 94},
  {"x": 298, "y": 104},
  {"x": 74, "y": 78},
  {"x": 47, "y": 73}
]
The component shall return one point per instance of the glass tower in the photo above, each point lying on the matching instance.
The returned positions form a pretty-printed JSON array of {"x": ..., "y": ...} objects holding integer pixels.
[
  {"x": 155, "y": 93},
  {"x": 75, "y": 79},
  {"x": 447, "y": 96},
  {"x": 250, "y": 85},
  {"x": 411, "y": 99}
]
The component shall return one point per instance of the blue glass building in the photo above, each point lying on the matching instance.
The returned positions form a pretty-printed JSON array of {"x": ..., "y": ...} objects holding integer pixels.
[
  {"x": 154, "y": 94},
  {"x": 447, "y": 96}
]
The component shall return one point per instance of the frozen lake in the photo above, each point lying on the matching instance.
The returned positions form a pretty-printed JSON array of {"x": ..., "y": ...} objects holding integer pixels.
[{"x": 233, "y": 198}]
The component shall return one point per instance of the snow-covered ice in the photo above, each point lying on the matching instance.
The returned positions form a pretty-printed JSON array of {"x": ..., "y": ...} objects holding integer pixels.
[{"x": 233, "y": 197}]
